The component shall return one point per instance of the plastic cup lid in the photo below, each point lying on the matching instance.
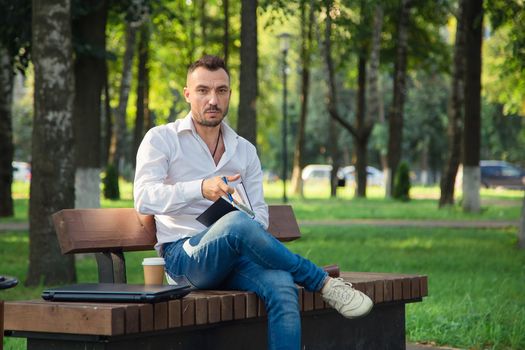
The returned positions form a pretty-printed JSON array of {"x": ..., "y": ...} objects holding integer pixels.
[{"x": 153, "y": 261}]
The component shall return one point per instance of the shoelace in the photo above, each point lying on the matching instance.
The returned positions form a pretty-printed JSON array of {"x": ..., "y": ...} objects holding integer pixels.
[{"x": 338, "y": 292}]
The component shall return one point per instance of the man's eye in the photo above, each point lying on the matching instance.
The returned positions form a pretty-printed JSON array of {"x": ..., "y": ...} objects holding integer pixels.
[
  {"x": 201, "y": 91},
  {"x": 223, "y": 91}
]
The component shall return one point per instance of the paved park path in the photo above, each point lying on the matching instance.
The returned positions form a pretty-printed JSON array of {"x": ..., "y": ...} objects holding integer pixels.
[
  {"x": 411, "y": 346},
  {"x": 412, "y": 223}
]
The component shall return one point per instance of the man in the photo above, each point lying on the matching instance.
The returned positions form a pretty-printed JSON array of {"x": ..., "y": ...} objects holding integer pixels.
[{"x": 180, "y": 170}]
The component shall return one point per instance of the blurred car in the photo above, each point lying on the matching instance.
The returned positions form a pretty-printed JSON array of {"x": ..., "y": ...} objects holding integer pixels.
[
  {"x": 496, "y": 173},
  {"x": 21, "y": 171},
  {"x": 316, "y": 172},
  {"x": 374, "y": 176}
]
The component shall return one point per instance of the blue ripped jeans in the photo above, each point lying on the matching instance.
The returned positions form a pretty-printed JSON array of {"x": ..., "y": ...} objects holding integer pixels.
[{"x": 236, "y": 253}]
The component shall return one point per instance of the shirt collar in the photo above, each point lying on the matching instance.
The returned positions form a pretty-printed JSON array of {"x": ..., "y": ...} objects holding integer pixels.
[
  {"x": 186, "y": 124},
  {"x": 231, "y": 139}
]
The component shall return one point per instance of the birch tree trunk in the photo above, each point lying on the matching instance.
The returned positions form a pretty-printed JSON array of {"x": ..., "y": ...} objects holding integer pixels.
[
  {"x": 455, "y": 113},
  {"x": 90, "y": 33},
  {"x": 472, "y": 125},
  {"x": 53, "y": 171},
  {"x": 6, "y": 133},
  {"x": 247, "y": 117},
  {"x": 395, "y": 122},
  {"x": 306, "y": 41}
]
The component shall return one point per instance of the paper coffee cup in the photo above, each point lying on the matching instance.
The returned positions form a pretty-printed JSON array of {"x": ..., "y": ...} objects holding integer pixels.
[{"x": 153, "y": 270}]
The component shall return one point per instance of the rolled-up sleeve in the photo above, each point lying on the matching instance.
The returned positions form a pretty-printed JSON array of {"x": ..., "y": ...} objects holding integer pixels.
[{"x": 152, "y": 194}]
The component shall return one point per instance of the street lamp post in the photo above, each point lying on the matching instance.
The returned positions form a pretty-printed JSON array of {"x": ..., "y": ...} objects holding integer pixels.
[{"x": 285, "y": 45}]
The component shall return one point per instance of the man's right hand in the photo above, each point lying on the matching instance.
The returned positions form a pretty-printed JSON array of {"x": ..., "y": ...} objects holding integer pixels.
[{"x": 215, "y": 187}]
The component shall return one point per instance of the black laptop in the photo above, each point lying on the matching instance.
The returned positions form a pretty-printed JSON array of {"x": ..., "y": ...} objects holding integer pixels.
[{"x": 119, "y": 292}]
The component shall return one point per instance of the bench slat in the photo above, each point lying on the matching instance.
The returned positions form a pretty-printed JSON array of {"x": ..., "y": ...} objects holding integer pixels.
[
  {"x": 188, "y": 311},
  {"x": 146, "y": 317},
  {"x": 175, "y": 313},
  {"x": 123, "y": 229},
  {"x": 160, "y": 314},
  {"x": 42, "y": 316},
  {"x": 96, "y": 230}
]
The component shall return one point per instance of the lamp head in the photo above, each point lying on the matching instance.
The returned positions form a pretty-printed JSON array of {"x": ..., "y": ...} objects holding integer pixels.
[{"x": 284, "y": 38}]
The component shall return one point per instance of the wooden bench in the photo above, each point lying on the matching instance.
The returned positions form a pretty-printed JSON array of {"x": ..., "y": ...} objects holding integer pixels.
[{"x": 202, "y": 319}]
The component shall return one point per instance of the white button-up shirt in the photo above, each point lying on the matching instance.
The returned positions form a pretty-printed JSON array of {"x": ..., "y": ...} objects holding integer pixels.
[{"x": 172, "y": 162}]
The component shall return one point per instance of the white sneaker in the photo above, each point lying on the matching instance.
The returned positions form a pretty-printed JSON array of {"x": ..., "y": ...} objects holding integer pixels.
[{"x": 348, "y": 301}]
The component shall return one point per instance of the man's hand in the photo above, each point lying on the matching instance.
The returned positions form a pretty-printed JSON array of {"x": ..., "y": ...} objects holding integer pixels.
[{"x": 215, "y": 187}]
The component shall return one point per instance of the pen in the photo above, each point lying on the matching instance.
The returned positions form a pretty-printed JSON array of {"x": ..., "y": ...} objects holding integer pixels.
[{"x": 228, "y": 193}]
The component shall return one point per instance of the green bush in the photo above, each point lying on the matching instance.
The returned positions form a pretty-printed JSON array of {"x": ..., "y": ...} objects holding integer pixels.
[
  {"x": 402, "y": 183},
  {"x": 110, "y": 182}
]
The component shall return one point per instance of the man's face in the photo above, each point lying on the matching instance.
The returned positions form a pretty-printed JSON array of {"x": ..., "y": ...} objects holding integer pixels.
[{"x": 208, "y": 93}]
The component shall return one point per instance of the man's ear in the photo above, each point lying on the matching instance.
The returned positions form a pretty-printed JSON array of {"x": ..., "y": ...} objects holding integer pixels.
[{"x": 187, "y": 94}]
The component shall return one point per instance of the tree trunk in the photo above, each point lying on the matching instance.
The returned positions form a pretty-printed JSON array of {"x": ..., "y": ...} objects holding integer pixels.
[
  {"x": 226, "y": 35},
  {"x": 455, "y": 114},
  {"x": 425, "y": 181},
  {"x": 361, "y": 139},
  {"x": 333, "y": 150},
  {"x": 142, "y": 90},
  {"x": 374, "y": 111},
  {"x": 89, "y": 31},
  {"x": 107, "y": 119},
  {"x": 332, "y": 89},
  {"x": 53, "y": 171},
  {"x": 204, "y": 22},
  {"x": 472, "y": 125},
  {"x": 306, "y": 36},
  {"x": 521, "y": 230},
  {"x": 119, "y": 137},
  {"x": 6, "y": 133},
  {"x": 247, "y": 117},
  {"x": 395, "y": 123}
]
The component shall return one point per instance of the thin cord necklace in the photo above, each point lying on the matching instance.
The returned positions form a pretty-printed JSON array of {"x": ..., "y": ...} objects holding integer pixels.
[{"x": 217, "y": 144}]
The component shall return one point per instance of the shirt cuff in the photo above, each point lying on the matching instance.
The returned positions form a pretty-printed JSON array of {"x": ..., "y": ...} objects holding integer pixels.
[{"x": 193, "y": 190}]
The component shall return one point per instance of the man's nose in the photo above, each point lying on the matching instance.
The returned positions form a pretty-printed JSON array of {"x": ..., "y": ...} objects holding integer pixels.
[{"x": 213, "y": 98}]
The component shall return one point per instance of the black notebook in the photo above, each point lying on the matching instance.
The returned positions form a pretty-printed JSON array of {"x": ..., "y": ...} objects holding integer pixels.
[
  {"x": 119, "y": 292},
  {"x": 237, "y": 201},
  {"x": 215, "y": 211}
]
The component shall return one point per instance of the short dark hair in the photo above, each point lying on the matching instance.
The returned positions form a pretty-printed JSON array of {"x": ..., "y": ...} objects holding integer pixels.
[{"x": 209, "y": 62}]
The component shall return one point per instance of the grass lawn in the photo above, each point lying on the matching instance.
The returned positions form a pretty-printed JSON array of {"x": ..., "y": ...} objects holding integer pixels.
[{"x": 476, "y": 277}]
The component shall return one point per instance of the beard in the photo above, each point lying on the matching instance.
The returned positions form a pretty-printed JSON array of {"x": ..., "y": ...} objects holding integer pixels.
[{"x": 201, "y": 119}]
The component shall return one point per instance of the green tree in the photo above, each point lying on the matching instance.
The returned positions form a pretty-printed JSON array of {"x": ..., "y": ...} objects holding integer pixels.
[
  {"x": 89, "y": 40},
  {"x": 15, "y": 40},
  {"x": 307, "y": 23},
  {"x": 402, "y": 183},
  {"x": 247, "y": 114},
  {"x": 395, "y": 114},
  {"x": 455, "y": 113},
  {"x": 504, "y": 63},
  {"x": 472, "y": 114}
]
